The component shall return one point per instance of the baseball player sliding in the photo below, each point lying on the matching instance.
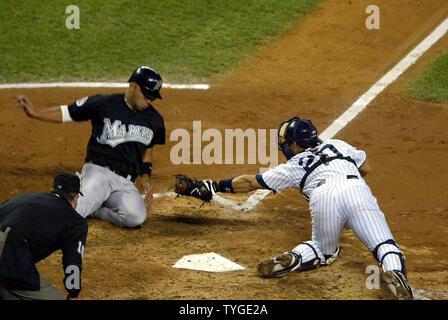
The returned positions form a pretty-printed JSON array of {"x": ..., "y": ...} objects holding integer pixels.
[
  {"x": 329, "y": 175},
  {"x": 125, "y": 128}
]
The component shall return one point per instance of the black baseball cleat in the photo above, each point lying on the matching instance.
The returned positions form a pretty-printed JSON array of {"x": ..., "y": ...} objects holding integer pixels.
[
  {"x": 397, "y": 283},
  {"x": 278, "y": 266}
]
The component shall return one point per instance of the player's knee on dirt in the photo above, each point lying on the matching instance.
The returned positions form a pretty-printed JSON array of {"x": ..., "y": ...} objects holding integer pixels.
[
  {"x": 389, "y": 256},
  {"x": 88, "y": 203},
  {"x": 135, "y": 217}
]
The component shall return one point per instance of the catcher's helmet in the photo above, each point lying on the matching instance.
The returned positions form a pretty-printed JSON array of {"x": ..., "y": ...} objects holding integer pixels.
[
  {"x": 302, "y": 131},
  {"x": 149, "y": 81}
]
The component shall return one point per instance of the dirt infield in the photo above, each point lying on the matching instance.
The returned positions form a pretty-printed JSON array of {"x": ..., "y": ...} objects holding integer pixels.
[{"x": 316, "y": 70}]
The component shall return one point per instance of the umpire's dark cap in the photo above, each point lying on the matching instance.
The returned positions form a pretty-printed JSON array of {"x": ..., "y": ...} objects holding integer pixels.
[
  {"x": 67, "y": 182},
  {"x": 149, "y": 80}
]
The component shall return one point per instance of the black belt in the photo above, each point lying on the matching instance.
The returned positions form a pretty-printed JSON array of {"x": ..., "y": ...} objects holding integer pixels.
[
  {"x": 350, "y": 176},
  {"x": 130, "y": 177}
]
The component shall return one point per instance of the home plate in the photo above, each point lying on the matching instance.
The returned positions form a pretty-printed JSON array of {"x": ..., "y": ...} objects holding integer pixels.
[{"x": 210, "y": 262}]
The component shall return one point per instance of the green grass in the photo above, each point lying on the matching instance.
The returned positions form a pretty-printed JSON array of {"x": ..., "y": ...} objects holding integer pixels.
[
  {"x": 185, "y": 40},
  {"x": 432, "y": 84}
]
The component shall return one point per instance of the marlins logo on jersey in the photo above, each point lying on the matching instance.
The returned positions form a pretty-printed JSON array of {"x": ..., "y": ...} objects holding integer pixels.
[{"x": 116, "y": 133}]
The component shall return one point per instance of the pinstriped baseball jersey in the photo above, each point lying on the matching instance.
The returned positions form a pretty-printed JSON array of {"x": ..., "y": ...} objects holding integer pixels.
[
  {"x": 329, "y": 178},
  {"x": 290, "y": 174}
]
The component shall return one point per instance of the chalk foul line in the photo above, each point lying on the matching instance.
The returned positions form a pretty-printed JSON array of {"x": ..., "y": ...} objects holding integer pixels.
[
  {"x": 95, "y": 85},
  {"x": 385, "y": 81},
  {"x": 247, "y": 205},
  {"x": 420, "y": 294}
]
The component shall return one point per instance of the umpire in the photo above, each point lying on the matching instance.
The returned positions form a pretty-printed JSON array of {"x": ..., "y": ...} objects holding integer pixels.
[{"x": 33, "y": 226}]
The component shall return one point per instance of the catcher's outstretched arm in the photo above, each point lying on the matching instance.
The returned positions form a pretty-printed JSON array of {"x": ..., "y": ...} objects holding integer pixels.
[
  {"x": 205, "y": 189},
  {"x": 245, "y": 183}
]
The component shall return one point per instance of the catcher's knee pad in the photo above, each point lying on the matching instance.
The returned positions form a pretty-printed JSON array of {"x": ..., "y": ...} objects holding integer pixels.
[{"x": 389, "y": 256}]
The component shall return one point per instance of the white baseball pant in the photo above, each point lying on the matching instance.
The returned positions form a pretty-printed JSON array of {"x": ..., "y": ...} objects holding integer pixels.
[{"x": 348, "y": 203}]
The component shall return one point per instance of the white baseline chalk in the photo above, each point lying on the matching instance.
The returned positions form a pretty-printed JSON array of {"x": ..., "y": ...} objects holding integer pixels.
[
  {"x": 385, "y": 81},
  {"x": 95, "y": 85},
  {"x": 247, "y": 205}
]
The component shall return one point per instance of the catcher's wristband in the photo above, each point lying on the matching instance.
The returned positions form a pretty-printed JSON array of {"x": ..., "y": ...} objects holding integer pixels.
[
  {"x": 147, "y": 168},
  {"x": 225, "y": 186}
]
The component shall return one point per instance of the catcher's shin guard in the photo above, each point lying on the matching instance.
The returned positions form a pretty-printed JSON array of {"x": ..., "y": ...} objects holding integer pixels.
[
  {"x": 389, "y": 256},
  {"x": 278, "y": 266}
]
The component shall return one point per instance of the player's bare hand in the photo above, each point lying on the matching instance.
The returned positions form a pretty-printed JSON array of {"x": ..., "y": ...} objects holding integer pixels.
[
  {"x": 147, "y": 188},
  {"x": 23, "y": 102}
]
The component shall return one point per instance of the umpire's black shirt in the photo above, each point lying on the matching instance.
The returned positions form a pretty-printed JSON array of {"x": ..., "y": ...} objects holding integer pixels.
[{"x": 41, "y": 223}]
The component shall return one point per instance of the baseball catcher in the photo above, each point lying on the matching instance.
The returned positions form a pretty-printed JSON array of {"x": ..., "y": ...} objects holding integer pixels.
[{"x": 329, "y": 174}]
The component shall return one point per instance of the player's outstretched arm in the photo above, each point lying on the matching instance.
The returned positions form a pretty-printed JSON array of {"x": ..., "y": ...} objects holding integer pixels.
[
  {"x": 245, "y": 183},
  {"x": 205, "y": 189},
  {"x": 50, "y": 115}
]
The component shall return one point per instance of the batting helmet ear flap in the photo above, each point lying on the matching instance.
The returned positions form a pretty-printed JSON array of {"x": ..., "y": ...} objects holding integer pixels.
[
  {"x": 285, "y": 136},
  {"x": 149, "y": 80}
]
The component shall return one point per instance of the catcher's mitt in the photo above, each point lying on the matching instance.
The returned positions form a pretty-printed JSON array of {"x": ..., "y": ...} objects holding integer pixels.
[{"x": 201, "y": 189}]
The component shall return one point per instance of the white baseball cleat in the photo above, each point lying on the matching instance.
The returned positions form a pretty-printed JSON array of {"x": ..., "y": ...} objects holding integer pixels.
[
  {"x": 397, "y": 283},
  {"x": 278, "y": 266}
]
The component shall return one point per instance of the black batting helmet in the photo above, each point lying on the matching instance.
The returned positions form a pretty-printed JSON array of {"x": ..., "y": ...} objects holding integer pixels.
[{"x": 149, "y": 81}]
